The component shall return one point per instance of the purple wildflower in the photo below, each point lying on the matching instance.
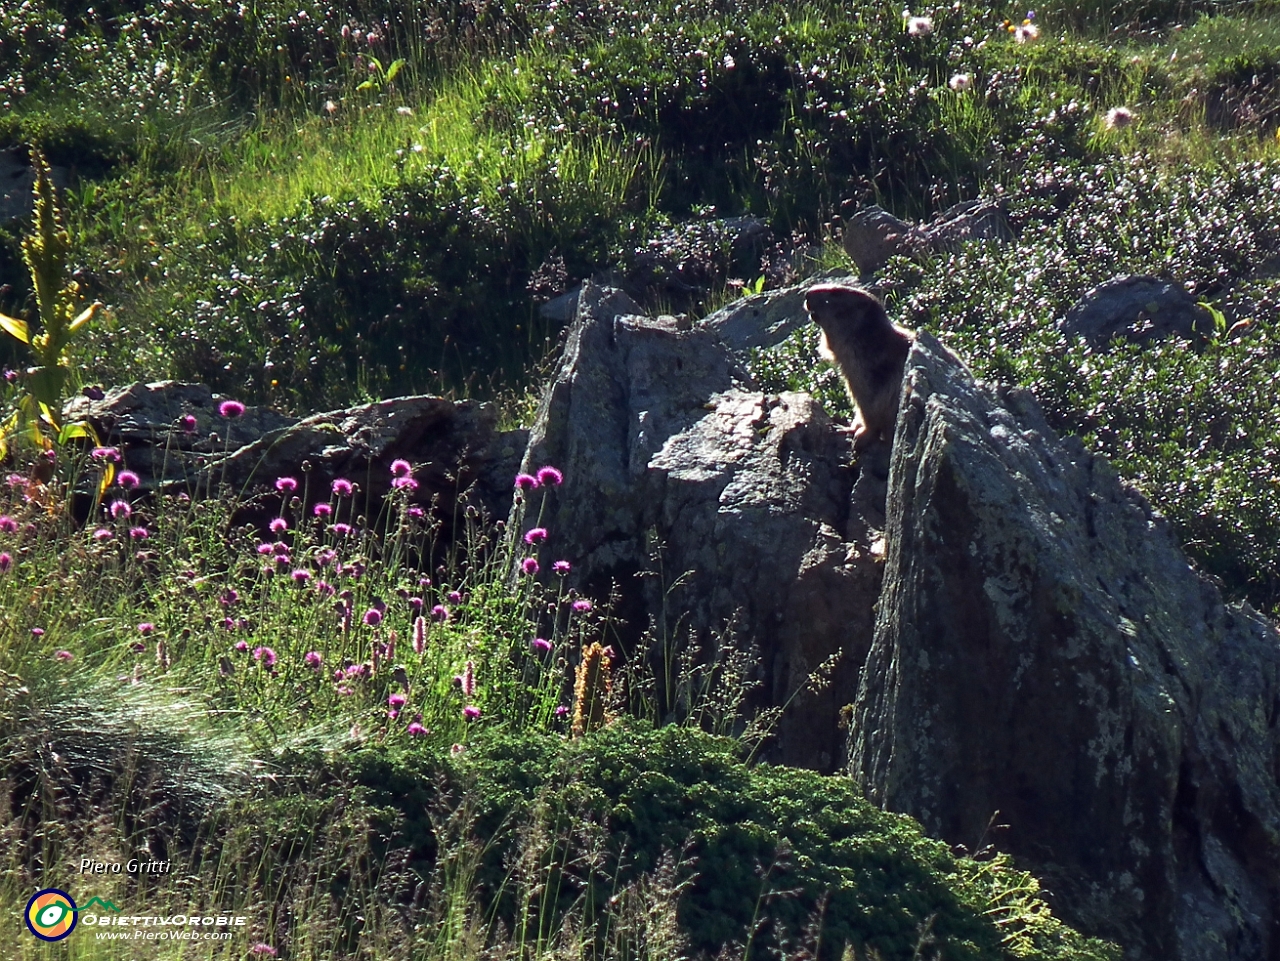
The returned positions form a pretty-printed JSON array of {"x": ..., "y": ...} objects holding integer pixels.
[
  {"x": 278, "y": 525},
  {"x": 526, "y": 482},
  {"x": 301, "y": 576},
  {"x": 127, "y": 479},
  {"x": 343, "y": 487},
  {"x": 529, "y": 565},
  {"x": 286, "y": 485},
  {"x": 471, "y": 712},
  {"x": 417, "y": 513},
  {"x": 401, "y": 468},
  {"x": 102, "y": 534},
  {"x": 373, "y": 617},
  {"x": 416, "y": 603},
  {"x": 419, "y": 634},
  {"x": 265, "y": 655},
  {"x": 324, "y": 588},
  {"x": 145, "y": 628},
  {"x": 188, "y": 423},
  {"x": 536, "y": 536},
  {"x": 64, "y": 655},
  {"x": 541, "y": 645},
  {"x": 549, "y": 475},
  {"x": 120, "y": 509},
  {"x": 416, "y": 729},
  {"x": 314, "y": 660},
  {"x": 396, "y": 701},
  {"x": 582, "y": 604},
  {"x": 8, "y": 524},
  {"x": 242, "y": 646},
  {"x": 562, "y": 710},
  {"x": 264, "y": 549},
  {"x": 439, "y": 612},
  {"x": 111, "y": 454},
  {"x": 454, "y": 597},
  {"x": 139, "y": 533},
  {"x": 37, "y": 632},
  {"x": 230, "y": 409},
  {"x": 263, "y": 950},
  {"x": 405, "y": 483},
  {"x": 322, "y": 510},
  {"x": 561, "y": 567},
  {"x": 342, "y": 530}
]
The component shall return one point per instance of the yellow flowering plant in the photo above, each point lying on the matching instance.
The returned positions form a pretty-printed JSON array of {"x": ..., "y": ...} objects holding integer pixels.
[{"x": 36, "y": 417}]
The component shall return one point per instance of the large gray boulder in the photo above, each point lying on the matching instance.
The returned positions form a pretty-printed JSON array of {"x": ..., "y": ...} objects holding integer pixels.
[
  {"x": 455, "y": 448},
  {"x": 1136, "y": 308},
  {"x": 718, "y": 514},
  {"x": 1045, "y": 660}
]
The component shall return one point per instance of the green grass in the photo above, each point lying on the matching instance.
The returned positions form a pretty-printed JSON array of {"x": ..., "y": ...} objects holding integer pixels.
[{"x": 246, "y": 235}]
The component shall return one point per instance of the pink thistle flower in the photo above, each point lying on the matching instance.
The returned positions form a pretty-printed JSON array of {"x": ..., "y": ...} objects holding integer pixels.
[
  {"x": 120, "y": 509},
  {"x": 137, "y": 647},
  {"x": 439, "y": 612},
  {"x": 263, "y": 950},
  {"x": 551, "y": 476},
  {"x": 419, "y": 634},
  {"x": 416, "y": 729},
  {"x": 139, "y": 533},
  {"x": 127, "y": 479},
  {"x": 322, "y": 510},
  {"x": 8, "y": 524},
  {"x": 145, "y": 628},
  {"x": 454, "y": 597},
  {"x": 417, "y": 513},
  {"x": 416, "y": 603},
  {"x": 324, "y": 588},
  {"x": 401, "y": 468},
  {"x": 37, "y": 632},
  {"x": 64, "y": 655},
  {"x": 536, "y": 536},
  {"x": 393, "y": 714},
  {"x": 314, "y": 660},
  {"x": 230, "y": 409},
  {"x": 278, "y": 525},
  {"x": 561, "y": 567},
  {"x": 373, "y": 617},
  {"x": 405, "y": 483},
  {"x": 242, "y": 647},
  {"x": 343, "y": 487},
  {"x": 111, "y": 454},
  {"x": 529, "y": 565},
  {"x": 286, "y": 485},
  {"x": 265, "y": 655},
  {"x": 541, "y": 645},
  {"x": 341, "y": 530},
  {"x": 526, "y": 482},
  {"x": 471, "y": 712},
  {"x": 345, "y": 691},
  {"x": 396, "y": 701},
  {"x": 301, "y": 576},
  {"x": 264, "y": 549},
  {"x": 102, "y": 534},
  {"x": 582, "y": 604},
  {"x": 188, "y": 423},
  {"x": 562, "y": 710}
]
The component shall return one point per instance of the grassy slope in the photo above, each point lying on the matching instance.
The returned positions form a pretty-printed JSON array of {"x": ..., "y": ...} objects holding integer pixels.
[{"x": 246, "y": 234}]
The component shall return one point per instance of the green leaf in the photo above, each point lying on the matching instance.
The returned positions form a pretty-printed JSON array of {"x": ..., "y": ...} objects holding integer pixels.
[
  {"x": 367, "y": 85},
  {"x": 394, "y": 69},
  {"x": 84, "y": 317},
  {"x": 16, "y": 327}
]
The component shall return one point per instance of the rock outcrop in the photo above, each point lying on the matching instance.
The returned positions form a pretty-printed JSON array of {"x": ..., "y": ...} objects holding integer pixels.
[
  {"x": 1140, "y": 309},
  {"x": 717, "y": 512},
  {"x": 1046, "y": 660},
  {"x": 455, "y": 447}
]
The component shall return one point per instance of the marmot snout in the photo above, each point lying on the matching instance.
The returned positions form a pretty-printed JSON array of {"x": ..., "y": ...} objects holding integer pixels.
[{"x": 870, "y": 351}]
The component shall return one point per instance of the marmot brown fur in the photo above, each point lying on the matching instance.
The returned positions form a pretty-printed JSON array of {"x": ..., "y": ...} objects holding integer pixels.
[{"x": 870, "y": 351}]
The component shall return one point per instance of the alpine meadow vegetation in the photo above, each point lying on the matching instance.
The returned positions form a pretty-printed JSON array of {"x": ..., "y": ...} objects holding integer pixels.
[{"x": 372, "y": 741}]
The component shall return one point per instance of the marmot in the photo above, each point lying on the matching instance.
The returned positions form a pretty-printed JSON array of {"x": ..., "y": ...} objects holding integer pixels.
[{"x": 869, "y": 349}]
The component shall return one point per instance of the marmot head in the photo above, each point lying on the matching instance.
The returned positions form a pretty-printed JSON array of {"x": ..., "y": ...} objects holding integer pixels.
[{"x": 844, "y": 308}]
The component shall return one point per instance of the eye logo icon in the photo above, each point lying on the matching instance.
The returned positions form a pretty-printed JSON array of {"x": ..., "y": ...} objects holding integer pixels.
[{"x": 51, "y": 914}]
